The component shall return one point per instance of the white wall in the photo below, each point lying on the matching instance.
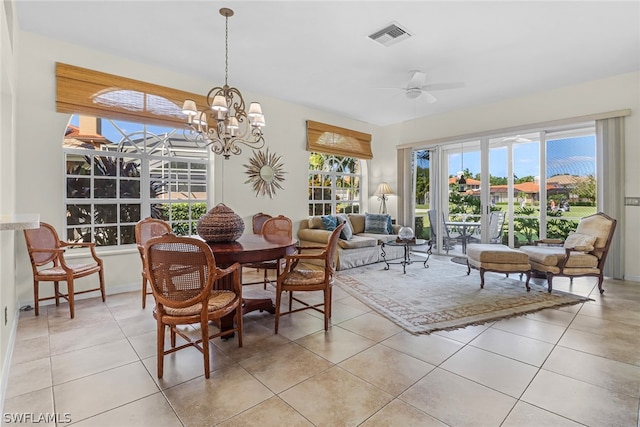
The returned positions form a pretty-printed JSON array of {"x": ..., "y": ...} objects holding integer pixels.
[
  {"x": 39, "y": 183},
  {"x": 8, "y": 95},
  {"x": 611, "y": 94}
]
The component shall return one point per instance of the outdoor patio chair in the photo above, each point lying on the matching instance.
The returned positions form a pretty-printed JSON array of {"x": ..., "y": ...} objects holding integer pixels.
[{"x": 448, "y": 242}]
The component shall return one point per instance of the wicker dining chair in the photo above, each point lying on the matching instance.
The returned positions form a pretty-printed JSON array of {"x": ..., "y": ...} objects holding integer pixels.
[
  {"x": 257, "y": 221},
  {"x": 182, "y": 272},
  {"x": 46, "y": 248},
  {"x": 276, "y": 226},
  {"x": 309, "y": 272},
  {"x": 145, "y": 230}
]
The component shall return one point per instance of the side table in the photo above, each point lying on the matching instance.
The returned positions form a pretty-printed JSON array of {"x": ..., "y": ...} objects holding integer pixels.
[{"x": 407, "y": 245}]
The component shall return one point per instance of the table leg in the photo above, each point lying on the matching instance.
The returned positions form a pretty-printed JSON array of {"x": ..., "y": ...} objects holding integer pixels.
[
  {"x": 384, "y": 256},
  {"x": 248, "y": 304}
]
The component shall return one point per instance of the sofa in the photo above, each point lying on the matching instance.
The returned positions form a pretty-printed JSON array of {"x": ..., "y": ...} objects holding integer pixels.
[{"x": 360, "y": 247}]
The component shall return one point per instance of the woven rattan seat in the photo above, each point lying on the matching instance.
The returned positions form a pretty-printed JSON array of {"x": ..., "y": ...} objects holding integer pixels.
[{"x": 182, "y": 272}]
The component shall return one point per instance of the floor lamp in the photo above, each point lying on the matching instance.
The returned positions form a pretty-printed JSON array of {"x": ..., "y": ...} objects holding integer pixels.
[{"x": 382, "y": 192}]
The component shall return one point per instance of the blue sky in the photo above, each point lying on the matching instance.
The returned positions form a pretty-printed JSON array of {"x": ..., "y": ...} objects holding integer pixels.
[{"x": 572, "y": 156}]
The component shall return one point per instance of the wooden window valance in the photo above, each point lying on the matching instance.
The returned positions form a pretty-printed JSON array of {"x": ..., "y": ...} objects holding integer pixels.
[
  {"x": 83, "y": 91},
  {"x": 327, "y": 139}
]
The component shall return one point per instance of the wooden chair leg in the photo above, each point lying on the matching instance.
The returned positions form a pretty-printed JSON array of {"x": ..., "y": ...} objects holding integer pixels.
[
  {"x": 160, "y": 348},
  {"x": 72, "y": 303},
  {"x": 144, "y": 291},
  {"x": 205, "y": 347},
  {"x": 56, "y": 292},
  {"x": 327, "y": 302},
  {"x": 102, "y": 291},
  {"x": 278, "y": 302},
  {"x": 36, "y": 300}
]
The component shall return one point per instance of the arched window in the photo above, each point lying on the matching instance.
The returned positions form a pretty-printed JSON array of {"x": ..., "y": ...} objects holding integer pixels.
[
  {"x": 334, "y": 184},
  {"x": 119, "y": 172}
]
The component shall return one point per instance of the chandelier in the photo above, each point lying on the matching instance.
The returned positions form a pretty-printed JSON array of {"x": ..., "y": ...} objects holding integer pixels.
[{"x": 231, "y": 123}]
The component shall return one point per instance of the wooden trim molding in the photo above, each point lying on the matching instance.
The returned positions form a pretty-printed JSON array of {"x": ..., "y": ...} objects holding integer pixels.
[
  {"x": 84, "y": 91},
  {"x": 328, "y": 139}
]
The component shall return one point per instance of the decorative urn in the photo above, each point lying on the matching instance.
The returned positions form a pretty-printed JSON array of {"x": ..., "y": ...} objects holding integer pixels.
[{"x": 220, "y": 224}]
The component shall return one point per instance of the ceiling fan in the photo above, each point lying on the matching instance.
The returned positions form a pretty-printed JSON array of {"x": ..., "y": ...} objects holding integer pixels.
[{"x": 417, "y": 87}]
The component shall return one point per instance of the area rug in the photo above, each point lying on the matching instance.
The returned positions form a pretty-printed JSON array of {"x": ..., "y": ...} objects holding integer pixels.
[{"x": 443, "y": 297}]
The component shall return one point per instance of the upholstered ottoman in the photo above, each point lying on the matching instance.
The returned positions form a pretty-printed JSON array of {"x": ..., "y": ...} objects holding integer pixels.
[{"x": 499, "y": 259}]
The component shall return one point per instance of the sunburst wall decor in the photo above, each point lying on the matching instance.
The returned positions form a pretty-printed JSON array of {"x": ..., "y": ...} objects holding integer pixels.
[{"x": 265, "y": 173}]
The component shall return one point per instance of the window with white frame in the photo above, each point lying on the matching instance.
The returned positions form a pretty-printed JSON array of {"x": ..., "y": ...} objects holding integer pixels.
[
  {"x": 334, "y": 184},
  {"x": 118, "y": 173}
]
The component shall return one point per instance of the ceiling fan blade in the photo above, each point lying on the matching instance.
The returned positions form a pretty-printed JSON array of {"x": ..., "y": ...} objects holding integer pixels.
[
  {"x": 429, "y": 98},
  {"x": 417, "y": 79},
  {"x": 443, "y": 86}
]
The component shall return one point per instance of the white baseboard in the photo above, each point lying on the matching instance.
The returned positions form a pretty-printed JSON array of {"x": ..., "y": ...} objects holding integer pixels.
[{"x": 6, "y": 366}]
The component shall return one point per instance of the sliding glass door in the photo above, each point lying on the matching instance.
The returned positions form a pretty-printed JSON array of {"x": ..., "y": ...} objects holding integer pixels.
[{"x": 544, "y": 182}]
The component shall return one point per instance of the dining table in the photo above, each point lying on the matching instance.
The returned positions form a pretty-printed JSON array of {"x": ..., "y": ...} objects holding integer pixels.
[
  {"x": 463, "y": 227},
  {"x": 250, "y": 248}
]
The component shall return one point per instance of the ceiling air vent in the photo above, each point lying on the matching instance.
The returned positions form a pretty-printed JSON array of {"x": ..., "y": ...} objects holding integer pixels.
[{"x": 392, "y": 33}]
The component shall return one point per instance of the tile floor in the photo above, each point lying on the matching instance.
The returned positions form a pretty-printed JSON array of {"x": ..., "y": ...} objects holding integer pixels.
[{"x": 578, "y": 365}]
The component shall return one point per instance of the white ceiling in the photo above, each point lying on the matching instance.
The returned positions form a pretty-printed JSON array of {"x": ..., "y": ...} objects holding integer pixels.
[{"x": 317, "y": 53}]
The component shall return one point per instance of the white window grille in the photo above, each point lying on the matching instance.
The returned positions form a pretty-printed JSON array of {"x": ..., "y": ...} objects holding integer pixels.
[
  {"x": 334, "y": 184},
  {"x": 118, "y": 173}
]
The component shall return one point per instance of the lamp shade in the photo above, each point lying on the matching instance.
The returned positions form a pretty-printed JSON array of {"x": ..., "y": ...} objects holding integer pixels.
[
  {"x": 219, "y": 103},
  {"x": 254, "y": 109},
  {"x": 189, "y": 107},
  {"x": 384, "y": 188}
]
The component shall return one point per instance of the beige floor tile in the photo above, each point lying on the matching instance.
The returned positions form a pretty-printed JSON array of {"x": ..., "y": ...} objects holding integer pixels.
[
  {"x": 184, "y": 365},
  {"x": 94, "y": 394},
  {"x": 355, "y": 303},
  {"x": 595, "y": 325},
  {"x": 150, "y": 411},
  {"x": 612, "y": 347},
  {"x": 581, "y": 402},
  {"x": 525, "y": 415},
  {"x": 433, "y": 349},
  {"x": 615, "y": 376},
  {"x": 554, "y": 316},
  {"x": 614, "y": 312},
  {"x": 256, "y": 339},
  {"x": 297, "y": 325},
  {"x": 29, "y": 376},
  {"x": 542, "y": 331},
  {"x": 136, "y": 325},
  {"x": 35, "y": 402},
  {"x": 335, "y": 345},
  {"x": 79, "y": 363},
  {"x": 79, "y": 338},
  {"x": 336, "y": 398},
  {"x": 205, "y": 402},
  {"x": 30, "y": 349},
  {"x": 32, "y": 326},
  {"x": 399, "y": 413},
  {"x": 372, "y": 326},
  {"x": 527, "y": 350},
  {"x": 273, "y": 412},
  {"x": 285, "y": 366},
  {"x": 492, "y": 370},
  {"x": 386, "y": 368},
  {"x": 59, "y": 320},
  {"x": 457, "y": 401},
  {"x": 340, "y": 312},
  {"x": 464, "y": 335}
]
